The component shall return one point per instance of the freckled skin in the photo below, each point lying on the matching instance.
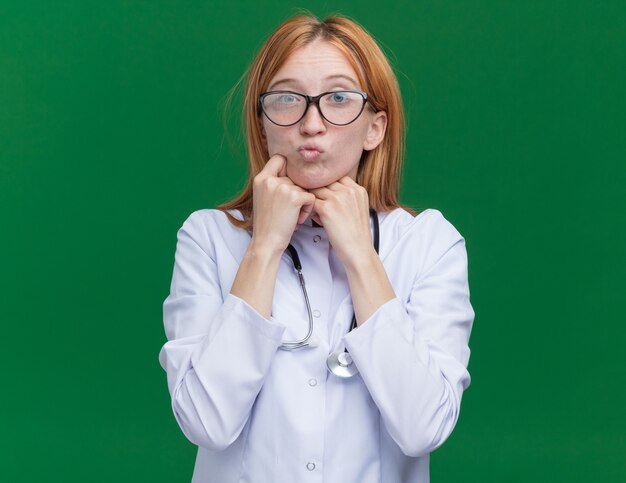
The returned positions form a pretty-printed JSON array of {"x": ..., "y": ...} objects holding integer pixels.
[{"x": 310, "y": 70}]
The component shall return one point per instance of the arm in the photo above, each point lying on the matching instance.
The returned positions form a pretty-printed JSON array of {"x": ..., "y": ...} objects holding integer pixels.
[
  {"x": 219, "y": 350},
  {"x": 412, "y": 355},
  {"x": 279, "y": 206},
  {"x": 370, "y": 287}
]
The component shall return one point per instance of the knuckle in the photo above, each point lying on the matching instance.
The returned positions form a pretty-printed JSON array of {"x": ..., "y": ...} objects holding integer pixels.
[
  {"x": 259, "y": 180},
  {"x": 294, "y": 196}
]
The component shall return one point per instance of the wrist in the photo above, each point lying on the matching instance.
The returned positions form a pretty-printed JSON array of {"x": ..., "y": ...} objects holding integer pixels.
[
  {"x": 370, "y": 286},
  {"x": 264, "y": 251},
  {"x": 360, "y": 260},
  {"x": 256, "y": 278}
]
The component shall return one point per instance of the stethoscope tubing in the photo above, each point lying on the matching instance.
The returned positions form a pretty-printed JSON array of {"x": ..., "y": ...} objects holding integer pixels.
[
  {"x": 336, "y": 363},
  {"x": 298, "y": 266}
]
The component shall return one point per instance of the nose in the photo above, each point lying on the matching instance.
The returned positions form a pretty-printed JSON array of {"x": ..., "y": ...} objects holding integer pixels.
[{"x": 312, "y": 122}]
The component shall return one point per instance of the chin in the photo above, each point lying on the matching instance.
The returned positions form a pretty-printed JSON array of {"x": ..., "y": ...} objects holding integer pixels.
[{"x": 308, "y": 183}]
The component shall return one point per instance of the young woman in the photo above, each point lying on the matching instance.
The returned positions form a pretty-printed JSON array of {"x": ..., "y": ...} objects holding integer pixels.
[{"x": 317, "y": 329}]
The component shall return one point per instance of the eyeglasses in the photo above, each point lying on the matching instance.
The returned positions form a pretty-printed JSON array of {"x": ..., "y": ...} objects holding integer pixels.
[{"x": 286, "y": 108}]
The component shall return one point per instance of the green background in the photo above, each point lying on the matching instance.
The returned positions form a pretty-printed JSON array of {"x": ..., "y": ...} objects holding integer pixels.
[{"x": 111, "y": 134}]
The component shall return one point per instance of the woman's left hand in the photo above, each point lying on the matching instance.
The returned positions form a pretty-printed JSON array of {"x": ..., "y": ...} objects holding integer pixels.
[{"x": 342, "y": 208}]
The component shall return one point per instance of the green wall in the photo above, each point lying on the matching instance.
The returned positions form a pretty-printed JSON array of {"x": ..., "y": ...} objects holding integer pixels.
[{"x": 111, "y": 134}]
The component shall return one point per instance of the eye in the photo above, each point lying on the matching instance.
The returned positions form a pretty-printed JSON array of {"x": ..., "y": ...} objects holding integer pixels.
[
  {"x": 338, "y": 97},
  {"x": 286, "y": 99}
]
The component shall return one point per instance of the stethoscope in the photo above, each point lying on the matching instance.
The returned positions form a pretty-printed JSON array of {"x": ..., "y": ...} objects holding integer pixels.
[{"x": 338, "y": 362}]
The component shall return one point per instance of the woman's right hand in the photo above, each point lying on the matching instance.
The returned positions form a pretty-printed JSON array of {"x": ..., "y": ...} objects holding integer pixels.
[{"x": 279, "y": 206}]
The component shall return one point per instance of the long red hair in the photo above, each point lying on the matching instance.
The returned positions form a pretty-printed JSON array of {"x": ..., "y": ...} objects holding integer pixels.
[{"x": 379, "y": 169}]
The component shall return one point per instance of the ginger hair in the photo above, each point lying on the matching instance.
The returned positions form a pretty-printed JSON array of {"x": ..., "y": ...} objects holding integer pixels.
[{"x": 379, "y": 169}]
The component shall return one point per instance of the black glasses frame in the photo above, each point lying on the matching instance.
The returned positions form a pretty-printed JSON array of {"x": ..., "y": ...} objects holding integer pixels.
[{"x": 311, "y": 100}]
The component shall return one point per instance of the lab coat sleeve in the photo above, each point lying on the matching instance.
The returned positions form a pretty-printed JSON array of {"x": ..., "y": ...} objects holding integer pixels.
[
  {"x": 412, "y": 355},
  {"x": 219, "y": 349}
]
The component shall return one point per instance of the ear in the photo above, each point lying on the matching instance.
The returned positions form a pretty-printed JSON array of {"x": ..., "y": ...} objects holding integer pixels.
[{"x": 376, "y": 131}]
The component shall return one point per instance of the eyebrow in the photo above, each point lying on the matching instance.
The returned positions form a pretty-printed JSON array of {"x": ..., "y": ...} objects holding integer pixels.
[{"x": 329, "y": 78}]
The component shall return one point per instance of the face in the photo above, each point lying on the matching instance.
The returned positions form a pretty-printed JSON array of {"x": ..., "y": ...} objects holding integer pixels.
[{"x": 319, "y": 153}]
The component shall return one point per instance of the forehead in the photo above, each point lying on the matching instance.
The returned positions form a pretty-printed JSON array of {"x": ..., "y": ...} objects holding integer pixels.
[{"x": 313, "y": 64}]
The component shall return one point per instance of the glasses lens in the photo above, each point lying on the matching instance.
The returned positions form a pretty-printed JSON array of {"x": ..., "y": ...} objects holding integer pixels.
[
  {"x": 341, "y": 107},
  {"x": 284, "y": 108}
]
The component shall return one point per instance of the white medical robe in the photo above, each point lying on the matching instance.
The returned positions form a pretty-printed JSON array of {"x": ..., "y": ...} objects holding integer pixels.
[{"x": 262, "y": 414}]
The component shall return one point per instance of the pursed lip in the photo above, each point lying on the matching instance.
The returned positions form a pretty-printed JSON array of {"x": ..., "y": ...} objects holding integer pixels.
[
  {"x": 310, "y": 147},
  {"x": 310, "y": 151}
]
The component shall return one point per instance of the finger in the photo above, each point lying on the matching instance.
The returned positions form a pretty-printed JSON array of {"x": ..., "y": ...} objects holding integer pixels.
[
  {"x": 317, "y": 219},
  {"x": 322, "y": 193},
  {"x": 335, "y": 186},
  {"x": 319, "y": 207},
  {"x": 282, "y": 173},
  {"x": 286, "y": 180},
  {"x": 273, "y": 166},
  {"x": 317, "y": 216},
  {"x": 305, "y": 210},
  {"x": 348, "y": 181}
]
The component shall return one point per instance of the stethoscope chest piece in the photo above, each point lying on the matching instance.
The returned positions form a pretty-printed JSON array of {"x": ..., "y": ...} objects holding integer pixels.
[{"x": 340, "y": 363}]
